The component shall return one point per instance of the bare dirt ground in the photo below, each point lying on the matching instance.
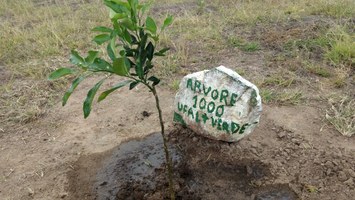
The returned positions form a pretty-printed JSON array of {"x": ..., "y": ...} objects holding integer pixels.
[
  {"x": 40, "y": 159},
  {"x": 56, "y": 154},
  {"x": 36, "y": 157}
]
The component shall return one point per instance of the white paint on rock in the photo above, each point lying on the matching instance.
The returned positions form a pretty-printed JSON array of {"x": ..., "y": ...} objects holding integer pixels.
[{"x": 228, "y": 111}]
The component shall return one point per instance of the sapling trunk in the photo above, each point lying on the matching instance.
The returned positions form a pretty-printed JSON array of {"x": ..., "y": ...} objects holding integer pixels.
[{"x": 168, "y": 159}]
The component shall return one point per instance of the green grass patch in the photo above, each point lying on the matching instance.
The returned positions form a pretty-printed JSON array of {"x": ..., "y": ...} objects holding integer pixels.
[
  {"x": 309, "y": 45},
  {"x": 342, "y": 46},
  {"x": 342, "y": 52},
  {"x": 286, "y": 97},
  {"x": 338, "y": 8},
  {"x": 253, "y": 12},
  {"x": 174, "y": 85},
  {"x": 319, "y": 70},
  {"x": 267, "y": 95},
  {"x": 337, "y": 45},
  {"x": 290, "y": 97},
  {"x": 250, "y": 46},
  {"x": 244, "y": 45},
  {"x": 278, "y": 80}
]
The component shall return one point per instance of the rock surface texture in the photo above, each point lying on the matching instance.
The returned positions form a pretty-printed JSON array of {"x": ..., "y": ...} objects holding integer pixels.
[{"x": 218, "y": 103}]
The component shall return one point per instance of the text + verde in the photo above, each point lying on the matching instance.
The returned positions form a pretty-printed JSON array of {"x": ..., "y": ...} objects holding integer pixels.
[{"x": 224, "y": 96}]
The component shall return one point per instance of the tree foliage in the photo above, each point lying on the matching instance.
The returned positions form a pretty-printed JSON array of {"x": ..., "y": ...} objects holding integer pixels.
[{"x": 130, "y": 46}]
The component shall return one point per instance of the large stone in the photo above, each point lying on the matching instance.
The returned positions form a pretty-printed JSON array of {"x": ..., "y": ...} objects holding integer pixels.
[{"x": 218, "y": 103}]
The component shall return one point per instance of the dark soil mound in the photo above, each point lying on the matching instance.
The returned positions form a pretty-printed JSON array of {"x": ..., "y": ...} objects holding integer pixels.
[{"x": 203, "y": 170}]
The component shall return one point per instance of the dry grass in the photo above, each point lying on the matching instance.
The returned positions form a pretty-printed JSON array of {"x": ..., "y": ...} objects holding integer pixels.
[
  {"x": 284, "y": 97},
  {"x": 300, "y": 40},
  {"x": 317, "y": 69},
  {"x": 342, "y": 115},
  {"x": 280, "y": 80},
  {"x": 252, "y": 12},
  {"x": 36, "y": 37},
  {"x": 37, "y": 31}
]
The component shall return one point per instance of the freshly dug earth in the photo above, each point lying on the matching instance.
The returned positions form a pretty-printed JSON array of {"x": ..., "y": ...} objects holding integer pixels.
[
  {"x": 203, "y": 170},
  {"x": 274, "y": 163}
]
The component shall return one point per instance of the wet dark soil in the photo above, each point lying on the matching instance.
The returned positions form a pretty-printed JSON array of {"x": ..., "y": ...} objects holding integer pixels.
[{"x": 202, "y": 170}]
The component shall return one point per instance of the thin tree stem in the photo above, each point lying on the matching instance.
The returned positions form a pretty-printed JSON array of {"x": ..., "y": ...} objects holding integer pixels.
[{"x": 169, "y": 165}]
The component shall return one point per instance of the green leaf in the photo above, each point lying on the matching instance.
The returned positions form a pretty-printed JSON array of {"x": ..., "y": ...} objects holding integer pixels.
[
  {"x": 74, "y": 84},
  {"x": 60, "y": 73},
  {"x": 142, "y": 55},
  {"x": 143, "y": 42},
  {"x": 162, "y": 52},
  {"x": 107, "y": 92},
  {"x": 122, "y": 53},
  {"x": 134, "y": 39},
  {"x": 167, "y": 22},
  {"x": 147, "y": 67},
  {"x": 128, "y": 24},
  {"x": 133, "y": 85},
  {"x": 102, "y": 38},
  {"x": 120, "y": 66},
  {"x": 151, "y": 25},
  {"x": 155, "y": 37},
  {"x": 129, "y": 52},
  {"x": 118, "y": 16},
  {"x": 150, "y": 50},
  {"x": 76, "y": 59},
  {"x": 118, "y": 6},
  {"x": 111, "y": 51},
  {"x": 141, "y": 32},
  {"x": 102, "y": 29},
  {"x": 133, "y": 4},
  {"x": 117, "y": 29},
  {"x": 90, "y": 97},
  {"x": 144, "y": 7},
  {"x": 155, "y": 80},
  {"x": 91, "y": 57},
  {"x": 100, "y": 65},
  {"x": 139, "y": 69},
  {"x": 127, "y": 36}
]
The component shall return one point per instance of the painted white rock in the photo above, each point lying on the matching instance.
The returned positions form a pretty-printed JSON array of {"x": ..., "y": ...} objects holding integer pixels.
[{"x": 218, "y": 103}]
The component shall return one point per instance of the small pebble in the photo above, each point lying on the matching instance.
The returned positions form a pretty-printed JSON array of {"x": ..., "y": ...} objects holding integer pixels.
[
  {"x": 30, "y": 192},
  {"x": 350, "y": 172},
  {"x": 145, "y": 114},
  {"x": 63, "y": 195},
  {"x": 349, "y": 182},
  {"x": 342, "y": 176},
  {"x": 329, "y": 171},
  {"x": 103, "y": 183},
  {"x": 328, "y": 164},
  {"x": 281, "y": 135},
  {"x": 258, "y": 183},
  {"x": 249, "y": 170},
  {"x": 254, "y": 151},
  {"x": 254, "y": 145}
]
